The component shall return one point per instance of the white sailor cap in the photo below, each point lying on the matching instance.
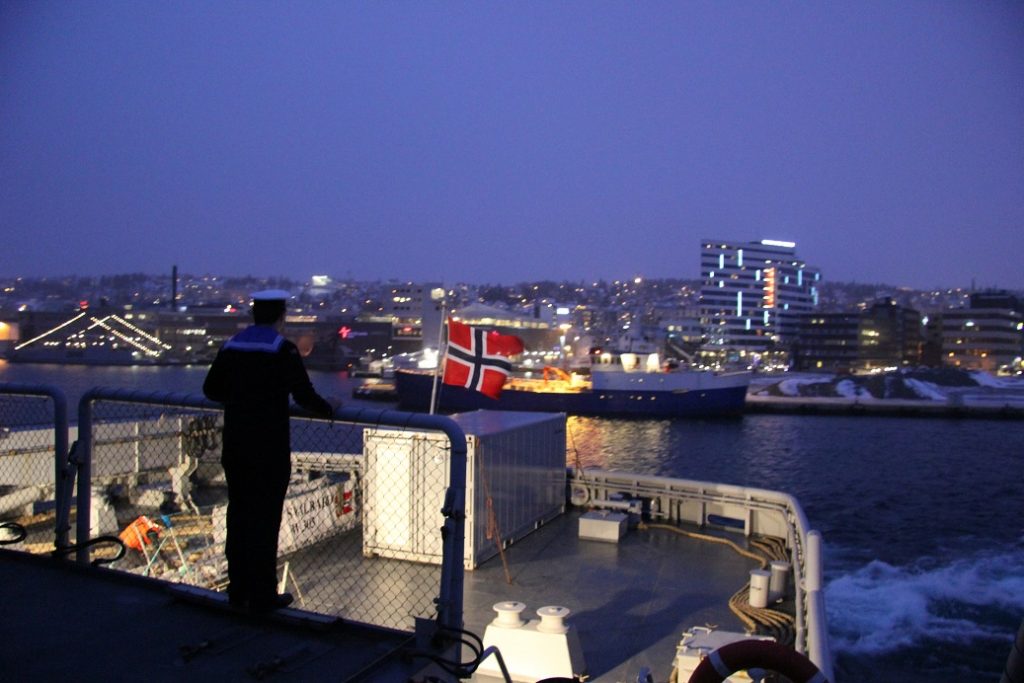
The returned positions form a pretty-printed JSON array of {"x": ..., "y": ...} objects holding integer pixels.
[{"x": 271, "y": 295}]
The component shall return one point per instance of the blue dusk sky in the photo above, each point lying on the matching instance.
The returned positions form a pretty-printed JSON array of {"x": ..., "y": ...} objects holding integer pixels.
[{"x": 501, "y": 142}]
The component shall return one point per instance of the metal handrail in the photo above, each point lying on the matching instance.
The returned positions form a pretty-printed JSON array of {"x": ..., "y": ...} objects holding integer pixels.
[
  {"x": 450, "y": 602},
  {"x": 806, "y": 543},
  {"x": 62, "y": 467}
]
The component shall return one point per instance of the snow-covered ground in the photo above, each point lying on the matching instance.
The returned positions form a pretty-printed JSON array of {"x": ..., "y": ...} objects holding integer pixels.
[
  {"x": 987, "y": 380},
  {"x": 966, "y": 388},
  {"x": 926, "y": 389},
  {"x": 791, "y": 387},
  {"x": 848, "y": 389}
]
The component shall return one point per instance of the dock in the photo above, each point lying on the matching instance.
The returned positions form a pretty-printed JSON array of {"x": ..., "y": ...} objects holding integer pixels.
[
  {"x": 996, "y": 407},
  {"x": 888, "y": 407}
]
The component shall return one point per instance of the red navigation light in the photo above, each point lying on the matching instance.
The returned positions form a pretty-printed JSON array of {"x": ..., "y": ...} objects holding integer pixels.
[
  {"x": 344, "y": 331},
  {"x": 83, "y": 304}
]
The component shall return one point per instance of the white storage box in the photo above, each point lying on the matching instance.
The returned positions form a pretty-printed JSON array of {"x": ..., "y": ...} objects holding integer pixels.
[
  {"x": 517, "y": 459},
  {"x": 603, "y": 525}
]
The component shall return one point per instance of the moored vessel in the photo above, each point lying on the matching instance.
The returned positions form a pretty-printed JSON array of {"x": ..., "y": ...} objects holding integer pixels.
[{"x": 619, "y": 386}]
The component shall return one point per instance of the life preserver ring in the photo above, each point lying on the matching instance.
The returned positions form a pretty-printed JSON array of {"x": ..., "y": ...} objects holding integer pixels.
[
  {"x": 579, "y": 495},
  {"x": 756, "y": 654}
]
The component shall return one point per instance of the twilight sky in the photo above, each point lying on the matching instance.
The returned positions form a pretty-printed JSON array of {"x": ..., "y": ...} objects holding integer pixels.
[{"x": 503, "y": 142}]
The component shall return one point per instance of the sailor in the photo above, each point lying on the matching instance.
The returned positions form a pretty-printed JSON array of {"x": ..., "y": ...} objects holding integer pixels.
[{"x": 253, "y": 375}]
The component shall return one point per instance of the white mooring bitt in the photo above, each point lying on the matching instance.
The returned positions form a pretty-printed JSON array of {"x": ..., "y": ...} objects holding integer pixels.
[
  {"x": 547, "y": 647},
  {"x": 760, "y": 579}
]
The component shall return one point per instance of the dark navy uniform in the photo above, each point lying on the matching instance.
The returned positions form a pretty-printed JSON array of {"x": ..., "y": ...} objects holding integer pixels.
[{"x": 253, "y": 375}]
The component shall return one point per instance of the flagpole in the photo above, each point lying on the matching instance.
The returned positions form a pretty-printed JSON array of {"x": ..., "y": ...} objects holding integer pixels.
[{"x": 440, "y": 358}]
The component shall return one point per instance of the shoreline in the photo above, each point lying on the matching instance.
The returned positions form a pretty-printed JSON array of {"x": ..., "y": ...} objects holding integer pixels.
[{"x": 879, "y": 407}]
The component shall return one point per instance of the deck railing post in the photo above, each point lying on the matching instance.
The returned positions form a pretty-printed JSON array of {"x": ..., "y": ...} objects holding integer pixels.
[
  {"x": 453, "y": 567},
  {"x": 60, "y": 448},
  {"x": 83, "y": 457},
  {"x": 60, "y": 458},
  {"x": 817, "y": 637}
]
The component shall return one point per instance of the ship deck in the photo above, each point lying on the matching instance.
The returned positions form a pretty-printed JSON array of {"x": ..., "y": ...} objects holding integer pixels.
[{"x": 631, "y": 601}]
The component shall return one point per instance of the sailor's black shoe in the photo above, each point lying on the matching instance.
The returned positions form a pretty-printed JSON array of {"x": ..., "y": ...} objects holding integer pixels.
[
  {"x": 279, "y": 601},
  {"x": 238, "y": 601}
]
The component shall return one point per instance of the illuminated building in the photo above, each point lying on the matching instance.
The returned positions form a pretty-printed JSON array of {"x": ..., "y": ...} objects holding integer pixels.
[
  {"x": 890, "y": 336},
  {"x": 102, "y": 337},
  {"x": 753, "y": 295},
  {"x": 987, "y": 336},
  {"x": 827, "y": 342},
  {"x": 884, "y": 335},
  {"x": 415, "y": 310}
]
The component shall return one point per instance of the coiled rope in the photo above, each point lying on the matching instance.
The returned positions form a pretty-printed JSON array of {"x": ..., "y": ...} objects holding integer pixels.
[{"x": 758, "y": 620}]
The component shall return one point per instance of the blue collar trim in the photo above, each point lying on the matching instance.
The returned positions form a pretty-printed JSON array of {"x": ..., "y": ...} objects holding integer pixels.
[{"x": 261, "y": 338}]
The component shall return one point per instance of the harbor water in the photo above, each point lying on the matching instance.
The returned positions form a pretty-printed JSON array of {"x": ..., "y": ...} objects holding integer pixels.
[{"x": 923, "y": 518}]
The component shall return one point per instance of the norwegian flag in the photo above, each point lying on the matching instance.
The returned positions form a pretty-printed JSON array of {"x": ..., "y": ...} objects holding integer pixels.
[{"x": 478, "y": 359}]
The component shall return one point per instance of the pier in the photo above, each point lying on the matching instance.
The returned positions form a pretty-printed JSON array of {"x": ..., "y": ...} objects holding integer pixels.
[
  {"x": 888, "y": 407},
  {"x": 994, "y": 407}
]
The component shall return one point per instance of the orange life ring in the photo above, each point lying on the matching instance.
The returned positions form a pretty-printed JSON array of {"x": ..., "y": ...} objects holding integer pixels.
[{"x": 756, "y": 654}]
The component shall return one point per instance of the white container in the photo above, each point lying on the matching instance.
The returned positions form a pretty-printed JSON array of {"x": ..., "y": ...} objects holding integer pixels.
[
  {"x": 602, "y": 525},
  {"x": 515, "y": 458},
  {"x": 778, "y": 588}
]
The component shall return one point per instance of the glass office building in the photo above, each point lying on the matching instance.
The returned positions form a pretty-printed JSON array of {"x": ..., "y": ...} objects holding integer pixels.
[{"x": 753, "y": 295}]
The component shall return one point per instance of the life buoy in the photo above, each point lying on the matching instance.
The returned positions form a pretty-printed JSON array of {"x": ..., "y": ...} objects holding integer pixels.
[
  {"x": 756, "y": 654},
  {"x": 579, "y": 495}
]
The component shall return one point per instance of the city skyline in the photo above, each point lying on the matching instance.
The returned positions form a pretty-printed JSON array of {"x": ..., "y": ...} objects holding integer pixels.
[
  {"x": 485, "y": 143},
  {"x": 317, "y": 280}
]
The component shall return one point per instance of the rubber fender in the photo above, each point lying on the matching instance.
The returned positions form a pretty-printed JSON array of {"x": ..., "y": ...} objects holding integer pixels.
[{"x": 756, "y": 654}]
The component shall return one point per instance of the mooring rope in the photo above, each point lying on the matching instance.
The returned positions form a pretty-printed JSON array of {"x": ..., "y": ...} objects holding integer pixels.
[{"x": 761, "y": 620}]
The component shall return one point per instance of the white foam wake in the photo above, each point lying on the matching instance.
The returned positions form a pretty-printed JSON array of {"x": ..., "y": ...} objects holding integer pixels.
[{"x": 880, "y": 608}]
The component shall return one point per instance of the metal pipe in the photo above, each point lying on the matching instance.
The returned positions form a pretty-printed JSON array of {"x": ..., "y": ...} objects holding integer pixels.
[
  {"x": 813, "y": 579},
  {"x": 20, "y": 498},
  {"x": 818, "y": 648}
]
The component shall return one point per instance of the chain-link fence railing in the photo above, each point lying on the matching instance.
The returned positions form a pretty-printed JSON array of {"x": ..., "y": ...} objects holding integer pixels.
[
  {"x": 150, "y": 473},
  {"x": 33, "y": 457}
]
